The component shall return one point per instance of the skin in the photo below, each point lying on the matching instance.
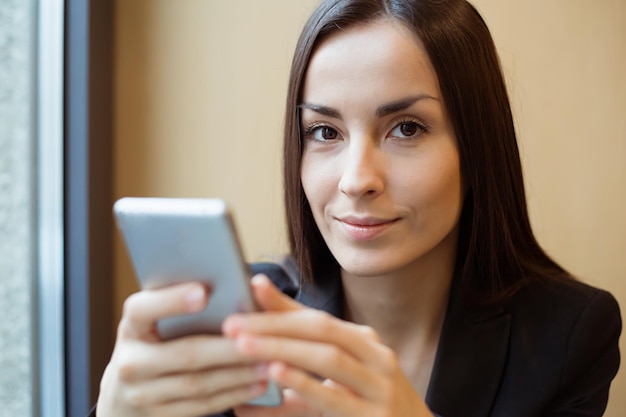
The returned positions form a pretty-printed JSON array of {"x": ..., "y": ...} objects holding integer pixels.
[{"x": 381, "y": 173}]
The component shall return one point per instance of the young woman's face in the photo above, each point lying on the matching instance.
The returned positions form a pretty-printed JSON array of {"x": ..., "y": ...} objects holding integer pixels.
[{"x": 380, "y": 167}]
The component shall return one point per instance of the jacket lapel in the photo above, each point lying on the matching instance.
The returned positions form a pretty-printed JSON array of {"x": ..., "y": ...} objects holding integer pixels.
[
  {"x": 326, "y": 294},
  {"x": 470, "y": 360}
]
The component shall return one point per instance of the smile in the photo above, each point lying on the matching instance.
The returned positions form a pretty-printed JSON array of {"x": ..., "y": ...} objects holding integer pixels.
[{"x": 362, "y": 229}]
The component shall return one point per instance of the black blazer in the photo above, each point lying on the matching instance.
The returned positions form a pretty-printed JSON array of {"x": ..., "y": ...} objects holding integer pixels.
[{"x": 550, "y": 350}]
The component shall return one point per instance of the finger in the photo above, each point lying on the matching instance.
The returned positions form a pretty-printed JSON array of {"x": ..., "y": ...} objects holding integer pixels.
[
  {"x": 141, "y": 361},
  {"x": 267, "y": 297},
  {"x": 362, "y": 342},
  {"x": 329, "y": 398},
  {"x": 214, "y": 404},
  {"x": 143, "y": 309},
  {"x": 199, "y": 384},
  {"x": 324, "y": 360},
  {"x": 293, "y": 405},
  {"x": 270, "y": 298},
  {"x": 335, "y": 385}
]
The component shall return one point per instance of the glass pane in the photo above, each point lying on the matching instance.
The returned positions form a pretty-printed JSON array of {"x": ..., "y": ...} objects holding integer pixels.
[{"x": 16, "y": 207}]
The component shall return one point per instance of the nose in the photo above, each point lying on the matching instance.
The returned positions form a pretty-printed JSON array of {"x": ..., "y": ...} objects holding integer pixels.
[{"x": 363, "y": 170}]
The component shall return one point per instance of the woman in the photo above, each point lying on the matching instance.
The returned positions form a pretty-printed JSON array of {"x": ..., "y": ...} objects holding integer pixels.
[{"x": 408, "y": 224}]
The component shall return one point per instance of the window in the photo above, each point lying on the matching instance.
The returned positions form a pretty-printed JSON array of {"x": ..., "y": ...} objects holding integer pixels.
[{"x": 31, "y": 243}]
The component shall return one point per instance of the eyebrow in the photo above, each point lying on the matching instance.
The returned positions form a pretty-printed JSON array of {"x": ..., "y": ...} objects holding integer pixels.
[
  {"x": 382, "y": 110},
  {"x": 402, "y": 104},
  {"x": 323, "y": 110}
]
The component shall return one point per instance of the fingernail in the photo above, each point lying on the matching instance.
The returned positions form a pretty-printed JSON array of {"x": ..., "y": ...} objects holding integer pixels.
[
  {"x": 261, "y": 369},
  {"x": 195, "y": 298},
  {"x": 235, "y": 324},
  {"x": 276, "y": 370},
  {"x": 245, "y": 343},
  {"x": 258, "y": 279}
]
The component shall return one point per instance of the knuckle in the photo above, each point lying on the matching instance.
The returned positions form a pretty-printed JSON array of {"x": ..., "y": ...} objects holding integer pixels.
[
  {"x": 370, "y": 333},
  {"x": 388, "y": 361},
  {"x": 124, "y": 329},
  {"x": 127, "y": 368},
  {"x": 331, "y": 355},
  {"x": 127, "y": 372},
  {"x": 322, "y": 321},
  {"x": 308, "y": 315},
  {"x": 198, "y": 384},
  {"x": 131, "y": 307}
]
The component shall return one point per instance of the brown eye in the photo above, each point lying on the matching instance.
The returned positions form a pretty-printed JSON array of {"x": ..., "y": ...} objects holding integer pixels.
[
  {"x": 407, "y": 130},
  {"x": 328, "y": 133},
  {"x": 323, "y": 133}
]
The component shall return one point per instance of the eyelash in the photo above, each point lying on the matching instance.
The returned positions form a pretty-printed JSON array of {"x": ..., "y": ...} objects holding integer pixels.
[{"x": 311, "y": 128}]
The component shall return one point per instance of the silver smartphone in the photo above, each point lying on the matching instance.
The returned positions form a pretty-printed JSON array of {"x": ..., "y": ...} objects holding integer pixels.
[{"x": 175, "y": 240}]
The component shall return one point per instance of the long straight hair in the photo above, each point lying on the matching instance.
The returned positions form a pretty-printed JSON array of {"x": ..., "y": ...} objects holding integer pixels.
[{"x": 497, "y": 251}]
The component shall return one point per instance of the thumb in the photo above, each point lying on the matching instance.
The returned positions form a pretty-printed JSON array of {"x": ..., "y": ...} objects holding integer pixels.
[{"x": 270, "y": 298}]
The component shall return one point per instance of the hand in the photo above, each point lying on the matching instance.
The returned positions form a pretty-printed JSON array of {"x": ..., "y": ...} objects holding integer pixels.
[
  {"x": 356, "y": 374},
  {"x": 185, "y": 377}
]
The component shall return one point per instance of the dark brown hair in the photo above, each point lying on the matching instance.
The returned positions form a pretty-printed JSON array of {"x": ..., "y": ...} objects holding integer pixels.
[{"x": 497, "y": 249}]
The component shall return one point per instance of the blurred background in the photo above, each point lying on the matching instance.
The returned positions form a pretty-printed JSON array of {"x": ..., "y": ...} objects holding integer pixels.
[{"x": 105, "y": 99}]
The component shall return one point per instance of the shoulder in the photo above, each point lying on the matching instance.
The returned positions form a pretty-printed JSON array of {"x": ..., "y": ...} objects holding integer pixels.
[
  {"x": 563, "y": 303},
  {"x": 565, "y": 339},
  {"x": 561, "y": 348},
  {"x": 558, "y": 313}
]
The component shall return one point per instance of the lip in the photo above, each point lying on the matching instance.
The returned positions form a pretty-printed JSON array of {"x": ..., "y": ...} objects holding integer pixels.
[{"x": 365, "y": 228}]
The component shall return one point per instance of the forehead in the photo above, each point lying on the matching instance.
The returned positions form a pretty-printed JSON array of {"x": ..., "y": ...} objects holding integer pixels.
[{"x": 383, "y": 56}]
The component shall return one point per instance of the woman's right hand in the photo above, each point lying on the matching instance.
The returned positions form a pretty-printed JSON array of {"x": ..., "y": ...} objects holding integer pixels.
[{"x": 186, "y": 377}]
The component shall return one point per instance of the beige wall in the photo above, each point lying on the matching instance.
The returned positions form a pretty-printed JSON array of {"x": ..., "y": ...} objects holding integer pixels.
[{"x": 199, "y": 90}]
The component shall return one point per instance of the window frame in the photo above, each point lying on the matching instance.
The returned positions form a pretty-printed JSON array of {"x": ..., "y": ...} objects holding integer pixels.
[{"x": 49, "y": 388}]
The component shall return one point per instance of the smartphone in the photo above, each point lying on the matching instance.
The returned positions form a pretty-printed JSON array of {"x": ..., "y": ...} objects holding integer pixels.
[{"x": 176, "y": 240}]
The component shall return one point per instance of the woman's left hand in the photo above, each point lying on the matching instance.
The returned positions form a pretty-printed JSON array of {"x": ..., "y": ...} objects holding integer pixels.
[{"x": 328, "y": 366}]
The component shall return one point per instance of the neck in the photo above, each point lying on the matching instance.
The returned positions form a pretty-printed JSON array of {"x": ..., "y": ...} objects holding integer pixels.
[{"x": 407, "y": 304}]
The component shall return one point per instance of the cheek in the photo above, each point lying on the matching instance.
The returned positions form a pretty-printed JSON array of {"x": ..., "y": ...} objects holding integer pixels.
[
  {"x": 446, "y": 189},
  {"x": 318, "y": 181},
  {"x": 435, "y": 187}
]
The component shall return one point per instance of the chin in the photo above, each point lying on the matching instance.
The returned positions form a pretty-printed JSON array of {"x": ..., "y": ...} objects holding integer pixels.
[
  {"x": 376, "y": 261},
  {"x": 367, "y": 265},
  {"x": 360, "y": 271}
]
